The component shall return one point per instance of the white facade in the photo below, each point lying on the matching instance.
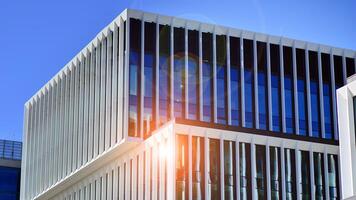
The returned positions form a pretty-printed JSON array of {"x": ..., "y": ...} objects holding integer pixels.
[{"x": 77, "y": 146}]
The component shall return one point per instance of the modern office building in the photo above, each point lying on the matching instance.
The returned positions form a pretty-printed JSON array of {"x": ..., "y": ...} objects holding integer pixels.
[
  {"x": 159, "y": 107},
  {"x": 10, "y": 169}
]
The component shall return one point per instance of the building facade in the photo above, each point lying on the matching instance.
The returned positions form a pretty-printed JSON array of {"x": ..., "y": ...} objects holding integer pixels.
[
  {"x": 159, "y": 107},
  {"x": 10, "y": 169}
]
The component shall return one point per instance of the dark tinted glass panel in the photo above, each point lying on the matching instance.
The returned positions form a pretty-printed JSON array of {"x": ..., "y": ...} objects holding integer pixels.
[
  {"x": 339, "y": 78},
  {"x": 229, "y": 170},
  {"x": 245, "y": 171},
  {"x": 134, "y": 80},
  {"x": 149, "y": 75},
  {"x": 262, "y": 85},
  {"x": 319, "y": 175},
  {"x": 164, "y": 63},
  {"x": 221, "y": 83},
  {"x": 207, "y": 84},
  {"x": 9, "y": 183},
  {"x": 275, "y": 170},
  {"x": 314, "y": 93},
  {"x": 327, "y": 96},
  {"x": 305, "y": 174},
  {"x": 214, "y": 167},
  {"x": 276, "y": 89},
  {"x": 198, "y": 167},
  {"x": 334, "y": 191},
  {"x": 350, "y": 66},
  {"x": 261, "y": 172},
  {"x": 302, "y": 95},
  {"x": 249, "y": 83},
  {"x": 193, "y": 75},
  {"x": 288, "y": 89},
  {"x": 182, "y": 189},
  {"x": 235, "y": 81},
  {"x": 289, "y": 158},
  {"x": 178, "y": 72}
]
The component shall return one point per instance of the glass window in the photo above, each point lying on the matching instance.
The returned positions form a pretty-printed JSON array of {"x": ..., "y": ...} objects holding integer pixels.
[
  {"x": 314, "y": 93},
  {"x": 289, "y": 156},
  {"x": 9, "y": 183},
  {"x": 221, "y": 83},
  {"x": 164, "y": 63},
  {"x": 245, "y": 171},
  {"x": 262, "y": 85},
  {"x": 288, "y": 89},
  {"x": 149, "y": 75},
  {"x": 261, "y": 184},
  {"x": 178, "y": 72},
  {"x": 338, "y": 70},
  {"x": 214, "y": 168},
  {"x": 235, "y": 81},
  {"x": 275, "y": 170},
  {"x": 350, "y": 67},
  {"x": 207, "y": 84},
  {"x": 229, "y": 170},
  {"x": 333, "y": 172},
  {"x": 319, "y": 175},
  {"x": 198, "y": 167},
  {"x": 302, "y": 95},
  {"x": 193, "y": 74},
  {"x": 249, "y": 83},
  {"x": 304, "y": 171},
  {"x": 134, "y": 80},
  {"x": 182, "y": 167},
  {"x": 327, "y": 98},
  {"x": 276, "y": 89}
]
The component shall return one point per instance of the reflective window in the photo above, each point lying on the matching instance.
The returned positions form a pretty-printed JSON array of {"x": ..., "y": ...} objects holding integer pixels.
[
  {"x": 275, "y": 170},
  {"x": 302, "y": 95},
  {"x": 338, "y": 70},
  {"x": 333, "y": 171},
  {"x": 261, "y": 184},
  {"x": 221, "y": 82},
  {"x": 207, "y": 84},
  {"x": 164, "y": 62},
  {"x": 214, "y": 168},
  {"x": 178, "y": 72},
  {"x": 134, "y": 72},
  {"x": 181, "y": 167},
  {"x": 249, "y": 86},
  {"x": 193, "y": 74},
  {"x": 276, "y": 89},
  {"x": 327, "y": 98},
  {"x": 198, "y": 167},
  {"x": 304, "y": 171},
  {"x": 288, "y": 89},
  {"x": 289, "y": 157},
  {"x": 245, "y": 171},
  {"x": 350, "y": 66},
  {"x": 9, "y": 183},
  {"x": 319, "y": 175},
  {"x": 262, "y": 85},
  {"x": 314, "y": 93},
  {"x": 235, "y": 81},
  {"x": 149, "y": 75},
  {"x": 229, "y": 170}
]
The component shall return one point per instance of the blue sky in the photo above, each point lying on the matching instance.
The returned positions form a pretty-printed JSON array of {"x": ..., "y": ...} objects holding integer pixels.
[{"x": 39, "y": 37}]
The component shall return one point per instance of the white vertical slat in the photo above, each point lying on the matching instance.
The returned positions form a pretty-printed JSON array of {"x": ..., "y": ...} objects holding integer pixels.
[
  {"x": 75, "y": 117},
  {"x": 255, "y": 83},
  {"x": 121, "y": 181},
  {"x": 190, "y": 166},
  {"x": 186, "y": 96},
  {"x": 344, "y": 70},
  {"x": 295, "y": 90},
  {"x": 242, "y": 70},
  {"x": 91, "y": 79},
  {"x": 206, "y": 167},
  {"x": 321, "y": 95},
  {"x": 253, "y": 170},
  {"x": 110, "y": 184},
  {"x": 39, "y": 146},
  {"x": 311, "y": 165},
  {"x": 214, "y": 78},
  {"x": 97, "y": 101},
  {"x": 134, "y": 178},
  {"x": 237, "y": 164},
  {"x": 126, "y": 80},
  {"x": 148, "y": 174},
  {"x": 54, "y": 131},
  {"x": 47, "y": 138},
  {"x": 283, "y": 172},
  {"x": 114, "y": 98},
  {"x": 228, "y": 79},
  {"x": 120, "y": 84},
  {"x": 25, "y": 137},
  {"x": 154, "y": 172},
  {"x": 333, "y": 94},
  {"x": 268, "y": 171},
  {"x": 102, "y": 96},
  {"x": 307, "y": 74},
  {"x": 269, "y": 86},
  {"x": 108, "y": 92},
  {"x": 97, "y": 188},
  {"x": 222, "y": 173},
  {"x": 85, "y": 107},
  {"x": 298, "y": 173},
  {"x": 326, "y": 175},
  {"x": 71, "y": 76},
  {"x": 67, "y": 122},
  {"x": 80, "y": 112},
  {"x": 283, "y": 106},
  {"x": 140, "y": 176}
]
